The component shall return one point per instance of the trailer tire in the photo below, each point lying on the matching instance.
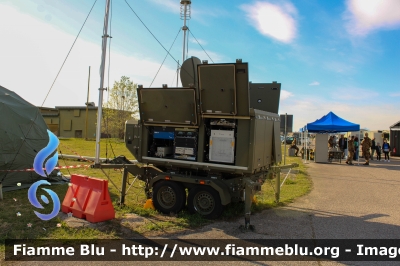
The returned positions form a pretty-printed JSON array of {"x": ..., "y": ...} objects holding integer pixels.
[
  {"x": 169, "y": 197},
  {"x": 205, "y": 201}
]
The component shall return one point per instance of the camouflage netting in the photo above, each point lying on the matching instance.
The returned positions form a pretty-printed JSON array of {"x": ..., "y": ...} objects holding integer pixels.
[{"x": 23, "y": 133}]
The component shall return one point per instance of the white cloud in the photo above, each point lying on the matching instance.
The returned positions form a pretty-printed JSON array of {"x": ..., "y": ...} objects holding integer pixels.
[
  {"x": 273, "y": 20},
  {"x": 285, "y": 95},
  {"x": 314, "y": 83},
  {"x": 202, "y": 42},
  {"x": 170, "y": 5},
  {"x": 354, "y": 94},
  {"x": 203, "y": 56},
  {"x": 339, "y": 67},
  {"x": 364, "y": 16}
]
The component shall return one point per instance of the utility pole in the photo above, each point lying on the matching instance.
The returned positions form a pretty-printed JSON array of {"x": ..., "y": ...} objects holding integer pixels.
[
  {"x": 284, "y": 160},
  {"x": 101, "y": 89},
  {"x": 185, "y": 15}
]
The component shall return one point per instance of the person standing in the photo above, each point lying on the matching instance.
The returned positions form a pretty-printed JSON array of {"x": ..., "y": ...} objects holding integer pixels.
[
  {"x": 373, "y": 148},
  {"x": 356, "y": 152},
  {"x": 342, "y": 144},
  {"x": 351, "y": 151},
  {"x": 330, "y": 142},
  {"x": 330, "y": 148},
  {"x": 294, "y": 146},
  {"x": 386, "y": 149},
  {"x": 366, "y": 145},
  {"x": 378, "y": 149}
]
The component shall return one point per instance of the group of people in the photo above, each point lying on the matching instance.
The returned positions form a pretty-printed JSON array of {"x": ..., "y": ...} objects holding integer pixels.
[
  {"x": 366, "y": 145},
  {"x": 353, "y": 145}
]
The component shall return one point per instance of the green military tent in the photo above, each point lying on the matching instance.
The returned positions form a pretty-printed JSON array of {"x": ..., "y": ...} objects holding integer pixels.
[{"x": 23, "y": 133}]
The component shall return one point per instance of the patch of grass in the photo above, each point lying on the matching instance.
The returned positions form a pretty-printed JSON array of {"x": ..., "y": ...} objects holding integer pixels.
[
  {"x": 16, "y": 227},
  {"x": 109, "y": 148}
]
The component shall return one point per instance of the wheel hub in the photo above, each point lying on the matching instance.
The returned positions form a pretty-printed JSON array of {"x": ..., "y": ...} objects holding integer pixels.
[
  {"x": 204, "y": 203},
  {"x": 166, "y": 197}
]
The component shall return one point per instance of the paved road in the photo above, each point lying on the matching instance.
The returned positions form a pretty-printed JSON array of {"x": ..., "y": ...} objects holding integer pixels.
[{"x": 347, "y": 202}]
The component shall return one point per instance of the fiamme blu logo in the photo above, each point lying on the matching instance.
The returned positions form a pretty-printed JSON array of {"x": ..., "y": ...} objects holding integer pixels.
[{"x": 43, "y": 165}]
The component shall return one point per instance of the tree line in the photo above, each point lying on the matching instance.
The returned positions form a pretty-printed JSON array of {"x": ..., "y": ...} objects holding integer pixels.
[{"x": 122, "y": 105}]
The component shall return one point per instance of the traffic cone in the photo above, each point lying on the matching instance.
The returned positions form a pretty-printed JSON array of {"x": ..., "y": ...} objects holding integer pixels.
[{"x": 149, "y": 204}]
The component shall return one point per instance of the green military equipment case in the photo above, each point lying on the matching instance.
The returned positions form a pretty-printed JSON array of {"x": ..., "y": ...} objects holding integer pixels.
[
  {"x": 217, "y": 89},
  {"x": 208, "y": 145},
  {"x": 265, "y": 96},
  {"x": 225, "y": 135},
  {"x": 224, "y": 89}
]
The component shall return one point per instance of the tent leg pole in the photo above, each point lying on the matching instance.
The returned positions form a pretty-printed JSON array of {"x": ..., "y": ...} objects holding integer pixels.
[
  {"x": 358, "y": 151},
  {"x": 1, "y": 191}
]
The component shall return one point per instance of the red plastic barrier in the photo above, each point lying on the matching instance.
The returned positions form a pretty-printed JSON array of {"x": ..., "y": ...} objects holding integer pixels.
[{"x": 88, "y": 198}]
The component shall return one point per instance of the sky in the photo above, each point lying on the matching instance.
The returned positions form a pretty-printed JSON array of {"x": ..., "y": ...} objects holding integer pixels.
[{"x": 339, "y": 56}]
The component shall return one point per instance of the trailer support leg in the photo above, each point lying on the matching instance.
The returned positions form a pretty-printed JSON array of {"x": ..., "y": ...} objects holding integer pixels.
[
  {"x": 123, "y": 186},
  {"x": 248, "y": 197},
  {"x": 1, "y": 191},
  {"x": 277, "y": 184}
]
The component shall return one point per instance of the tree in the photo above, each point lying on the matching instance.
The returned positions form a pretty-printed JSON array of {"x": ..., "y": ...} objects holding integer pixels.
[{"x": 122, "y": 104}]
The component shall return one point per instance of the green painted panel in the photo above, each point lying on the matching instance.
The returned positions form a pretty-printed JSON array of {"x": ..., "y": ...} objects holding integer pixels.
[
  {"x": 265, "y": 96},
  {"x": 168, "y": 105},
  {"x": 217, "y": 86}
]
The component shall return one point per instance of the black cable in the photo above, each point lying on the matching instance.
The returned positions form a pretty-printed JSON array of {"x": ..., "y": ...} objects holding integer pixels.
[
  {"x": 179, "y": 65},
  {"x": 175, "y": 76},
  {"x": 155, "y": 37},
  {"x": 33, "y": 120},
  {"x": 165, "y": 57},
  {"x": 68, "y": 53},
  {"x": 200, "y": 45}
]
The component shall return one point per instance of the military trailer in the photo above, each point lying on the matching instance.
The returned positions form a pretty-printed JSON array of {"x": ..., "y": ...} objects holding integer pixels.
[{"x": 209, "y": 143}]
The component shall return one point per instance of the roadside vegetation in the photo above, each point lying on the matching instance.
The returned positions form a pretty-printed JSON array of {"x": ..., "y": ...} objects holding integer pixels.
[{"x": 28, "y": 226}]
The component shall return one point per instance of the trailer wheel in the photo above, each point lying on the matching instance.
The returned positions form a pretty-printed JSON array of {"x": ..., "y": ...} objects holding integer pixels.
[
  {"x": 169, "y": 197},
  {"x": 205, "y": 201}
]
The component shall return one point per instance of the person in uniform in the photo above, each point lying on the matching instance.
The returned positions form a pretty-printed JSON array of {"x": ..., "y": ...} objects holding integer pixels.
[
  {"x": 294, "y": 146},
  {"x": 351, "y": 150},
  {"x": 366, "y": 145}
]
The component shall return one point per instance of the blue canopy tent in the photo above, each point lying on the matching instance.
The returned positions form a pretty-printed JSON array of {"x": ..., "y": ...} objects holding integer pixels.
[{"x": 329, "y": 123}]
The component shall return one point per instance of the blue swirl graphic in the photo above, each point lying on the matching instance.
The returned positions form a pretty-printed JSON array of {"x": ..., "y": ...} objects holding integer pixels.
[
  {"x": 44, "y": 153},
  {"x": 33, "y": 200}
]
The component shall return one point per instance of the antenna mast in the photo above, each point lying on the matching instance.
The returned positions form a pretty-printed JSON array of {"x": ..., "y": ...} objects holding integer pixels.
[
  {"x": 185, "y": 15},
  {"x": 101, "y": 89}
]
